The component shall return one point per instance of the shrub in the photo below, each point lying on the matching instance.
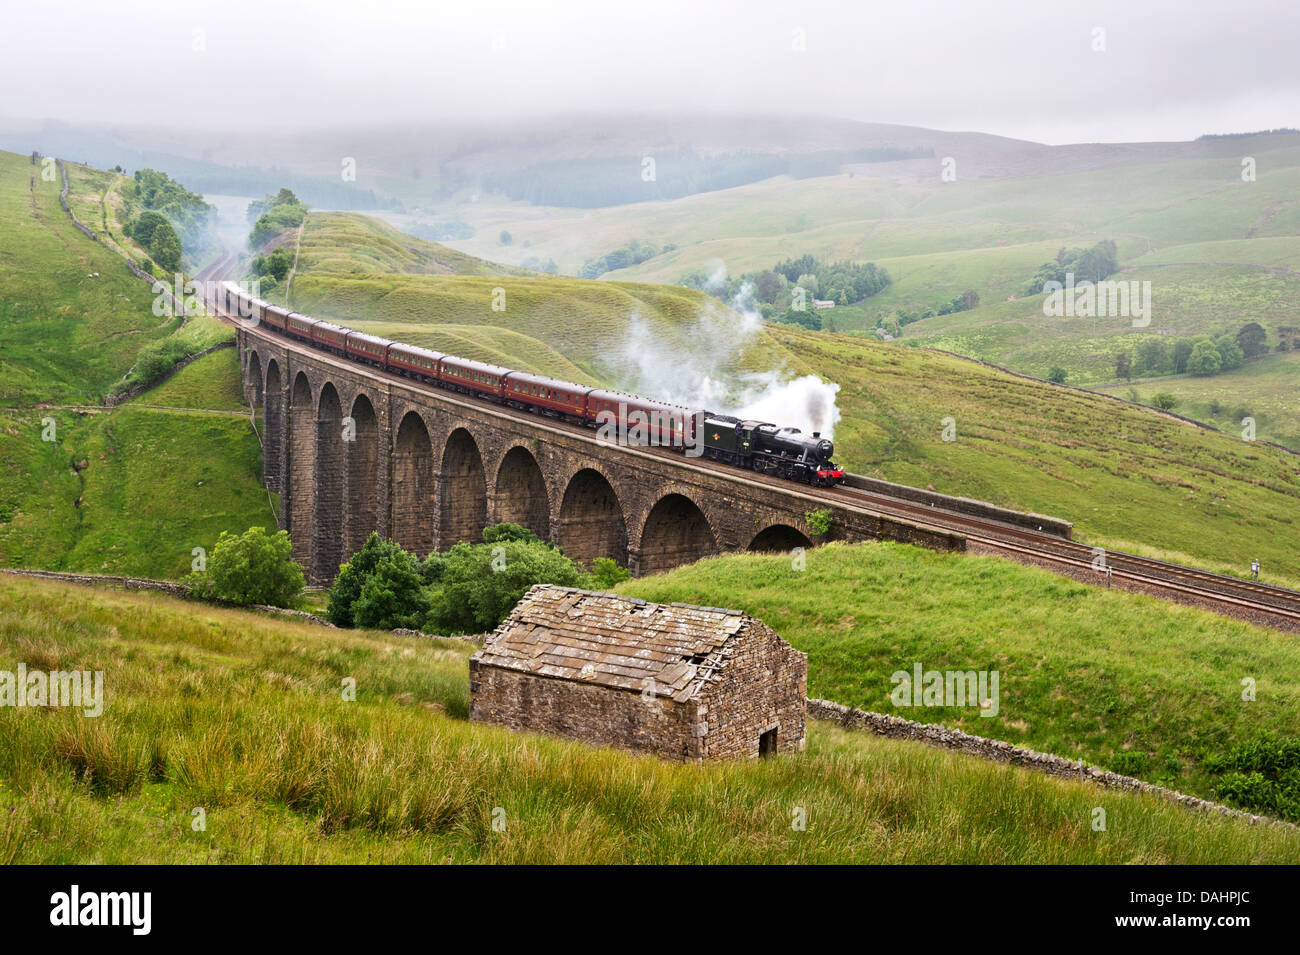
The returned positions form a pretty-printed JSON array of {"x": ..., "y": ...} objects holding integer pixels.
[
  {"x": 1164, "y": 400},
  {"x": 505, "y": 531},
  {"x": 1057, "y": 374},
  {"x": 352, "y": 576},
  {"x": 606, "y": 573},
  {"x": 1262, "y": 774},
  {"x": 252, "y": 568},
  {"x": 392, "y": 595},
  {"x": 482, "y": 582},
  {"x": 819, "y": 521}
]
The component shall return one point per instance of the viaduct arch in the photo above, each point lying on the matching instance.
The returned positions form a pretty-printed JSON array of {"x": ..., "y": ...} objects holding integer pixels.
[{"x": 351, "y": 450}]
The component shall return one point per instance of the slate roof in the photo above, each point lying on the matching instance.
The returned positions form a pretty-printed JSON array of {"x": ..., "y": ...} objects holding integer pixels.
[{"x": 614, "y": 641}]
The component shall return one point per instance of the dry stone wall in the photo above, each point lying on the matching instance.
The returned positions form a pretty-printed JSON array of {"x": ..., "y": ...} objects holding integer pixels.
[{"x": 944, "y": 737}]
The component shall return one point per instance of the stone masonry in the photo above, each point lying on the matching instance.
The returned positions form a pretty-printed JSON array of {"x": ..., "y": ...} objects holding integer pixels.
[
  {"x": 680, "y": 682},
  {"x": 428, "y": 469}
]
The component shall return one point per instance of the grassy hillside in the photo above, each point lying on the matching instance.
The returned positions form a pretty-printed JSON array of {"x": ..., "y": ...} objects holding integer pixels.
[
  {"x": 1123, "y": 681},
  {"x": 559, "y": 326},
  {"x": 72, "y": 318},
  {"x": 1127, "y": 476},
  {"x": 133, "y": 490},
  {"x": 1265, "y": 389},
  {"x": 350, "y": 243},
  {"x": 242, "y": 716}
]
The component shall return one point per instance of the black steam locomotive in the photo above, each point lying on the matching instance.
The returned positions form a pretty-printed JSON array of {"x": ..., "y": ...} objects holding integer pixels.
[{"x": 767, "y": 449}]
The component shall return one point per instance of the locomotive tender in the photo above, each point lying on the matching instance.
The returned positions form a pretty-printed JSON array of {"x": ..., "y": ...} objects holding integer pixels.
[{"x": 757, "y": 445}]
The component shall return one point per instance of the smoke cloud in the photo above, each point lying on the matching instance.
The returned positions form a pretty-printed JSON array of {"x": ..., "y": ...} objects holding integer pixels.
[{"x": 696, "y": 369}]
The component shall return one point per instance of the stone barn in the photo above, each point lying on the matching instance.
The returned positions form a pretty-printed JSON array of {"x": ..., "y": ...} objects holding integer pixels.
[{"x": 681, "y": 682}]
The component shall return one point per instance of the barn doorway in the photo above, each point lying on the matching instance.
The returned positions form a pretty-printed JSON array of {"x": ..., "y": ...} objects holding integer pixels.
[{"x": 767, "y": 743}]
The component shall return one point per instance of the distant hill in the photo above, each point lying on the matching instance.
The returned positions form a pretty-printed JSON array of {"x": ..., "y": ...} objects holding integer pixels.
[{"x": 1129, "y": 477}]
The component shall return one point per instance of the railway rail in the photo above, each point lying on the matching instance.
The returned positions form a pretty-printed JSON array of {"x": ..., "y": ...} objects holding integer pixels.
[{"x": 1248, "y": 599}]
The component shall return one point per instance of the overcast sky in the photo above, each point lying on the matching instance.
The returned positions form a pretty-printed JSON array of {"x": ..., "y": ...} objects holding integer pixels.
[{"x": 1169, "y": 69}]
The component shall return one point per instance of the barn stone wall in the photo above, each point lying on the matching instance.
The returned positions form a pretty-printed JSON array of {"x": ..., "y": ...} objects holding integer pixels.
[
  {"x": 598, "y": 715},
  {"x": 763, "y": 687}
]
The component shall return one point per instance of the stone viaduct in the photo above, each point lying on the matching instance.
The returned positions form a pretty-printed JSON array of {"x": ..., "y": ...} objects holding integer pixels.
[{"x": 352, "y": 450}]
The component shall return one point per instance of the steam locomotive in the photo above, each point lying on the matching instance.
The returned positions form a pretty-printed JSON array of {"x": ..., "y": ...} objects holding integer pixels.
[{"x": 762, "y": 447}]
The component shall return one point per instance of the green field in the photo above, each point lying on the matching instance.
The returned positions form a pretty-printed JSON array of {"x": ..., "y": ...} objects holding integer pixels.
[
  {"x": 133, "y": 490},
  {"x": 1264, "y": 389},
  {"x": 1121, "y": 681},
  {"x": 72, "y": 318},
  {"x": 242, "y": 717}
]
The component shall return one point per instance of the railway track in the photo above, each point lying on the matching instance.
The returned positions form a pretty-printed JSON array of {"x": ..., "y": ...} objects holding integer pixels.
[
  {"x": 1264, "y": 604},
  {"x": 1248, "y": 599}
]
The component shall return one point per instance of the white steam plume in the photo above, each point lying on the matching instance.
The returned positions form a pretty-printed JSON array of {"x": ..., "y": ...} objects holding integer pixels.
[{"x": 692, "y": 369}]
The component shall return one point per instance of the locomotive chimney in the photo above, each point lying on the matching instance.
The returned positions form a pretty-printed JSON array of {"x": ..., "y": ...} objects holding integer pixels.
[{"x": 817, "y": 434}]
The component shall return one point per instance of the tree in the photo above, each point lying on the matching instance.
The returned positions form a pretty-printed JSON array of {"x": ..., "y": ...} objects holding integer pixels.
[
  {"x": 1152, "y": 356},
  {"x": 482, "y": 582},
  {"x": 165, "y": 247},
  {"x": 1123, "y": 366},
  {"x": 768, "y": 286},
  {"x": 1252, "y": 340},
  {"x": 142, "y": 229},
  {"x": 276, "y": 265},
  {"x": 252, "y": 568},
  {"x": 1205, "y": 359},
  {"x": 352, "y": 576},
  {"x": 505, "y": 237},
  {"x": 1164, "y": 400},
  {"x": 1057, "y": 374},
  {"x": 392, "y": 595},
  {"x": 1229, "y": 352},
  {"x": 1182, "y": 352}
]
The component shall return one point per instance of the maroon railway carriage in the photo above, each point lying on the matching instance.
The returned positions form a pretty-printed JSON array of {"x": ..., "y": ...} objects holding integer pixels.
[
  {"x": 547, "y": 394},
  {"x": 273, "y": 315},
  {"x": 472, "y": 377},
  {"x": 236, "y": 301},
  {"x": 296, "y": 324},
  {"x": 331, "y": 337},
  {"x": 413, "y": 361},
  {"x": 664, "y": 425},
  {"x": 371, "y": 349}
]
